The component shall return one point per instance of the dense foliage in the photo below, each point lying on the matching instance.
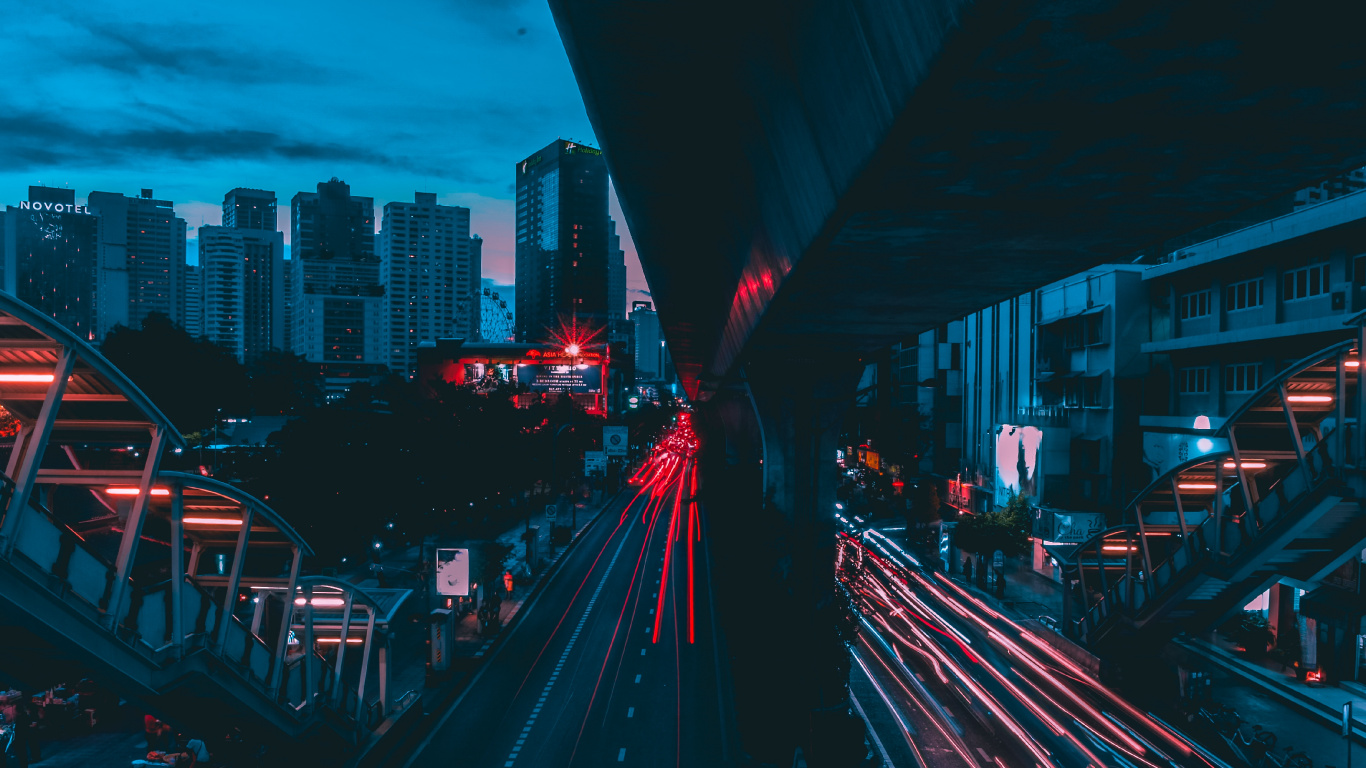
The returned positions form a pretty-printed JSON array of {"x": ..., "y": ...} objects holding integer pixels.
[{"x": 1006, "y": 529}]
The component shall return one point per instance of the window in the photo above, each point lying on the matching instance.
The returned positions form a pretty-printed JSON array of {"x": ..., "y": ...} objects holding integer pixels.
[
  {"x": 1092, "y": 326},
  {"x": 1192, "y": 381},
  {"x": 1244, "y": 295},
  {"x": 1305, "y": 283},
  {"x": 1194, "y": 305},
  {"x": 1242, "y": 377}
]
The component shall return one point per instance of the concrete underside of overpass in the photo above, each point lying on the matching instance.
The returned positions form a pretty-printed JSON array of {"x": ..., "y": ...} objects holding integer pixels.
[
  {"x": 808, "y": 181},
  {"x": 836, "y": 174}
]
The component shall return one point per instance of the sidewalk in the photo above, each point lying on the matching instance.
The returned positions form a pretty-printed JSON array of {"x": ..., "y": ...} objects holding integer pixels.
[
  {"x": 1321, "y": 705},
  {"x": 470, "y": 645}
]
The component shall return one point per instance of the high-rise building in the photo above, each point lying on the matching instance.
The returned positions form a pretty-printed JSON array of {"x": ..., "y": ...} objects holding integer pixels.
[
  {"x": 651, "y": 353},
  {"x": 616, "y": 274},
  {"x": 250, "y": 209},
  {"x": 425, "y": 265},
  {"x": 338, "y": 310},
  {"x": 561, "y": 269},
  {"x": 194, "y": 297},
  {"x": 141, "y": 260},
  {"x": 476, "y": 287},
  {"x": 243, "y": 289},
  {"x": 287, "y": 309},
  {"x": 50, "y": 247}
]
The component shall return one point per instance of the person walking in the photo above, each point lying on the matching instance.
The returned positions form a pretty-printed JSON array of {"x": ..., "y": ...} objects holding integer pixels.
[{"x": 507, "y": 582}]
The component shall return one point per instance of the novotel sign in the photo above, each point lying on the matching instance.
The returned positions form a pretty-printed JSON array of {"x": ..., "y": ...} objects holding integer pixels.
[{"x": 33, "y": 205}]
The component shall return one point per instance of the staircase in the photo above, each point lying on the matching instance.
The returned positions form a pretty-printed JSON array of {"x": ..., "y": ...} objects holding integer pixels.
[
  {"x": 177, "y": 591},
  {"x": 1283, "y": 501}
]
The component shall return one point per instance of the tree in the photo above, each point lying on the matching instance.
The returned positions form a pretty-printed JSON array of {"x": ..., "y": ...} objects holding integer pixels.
[
  {"x": 283, "y": 383},
  {"x": 189, "y": 379},
  {"x": 1005, "y": 529}
]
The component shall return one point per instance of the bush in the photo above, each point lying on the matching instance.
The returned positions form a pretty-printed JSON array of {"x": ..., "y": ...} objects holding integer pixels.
[{"x": 1251, "y": 631}]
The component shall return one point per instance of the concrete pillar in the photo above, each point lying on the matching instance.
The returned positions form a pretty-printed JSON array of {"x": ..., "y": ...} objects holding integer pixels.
[
  {"x": 1281, "y": 610},
  {"x": 797, "y": 408}
]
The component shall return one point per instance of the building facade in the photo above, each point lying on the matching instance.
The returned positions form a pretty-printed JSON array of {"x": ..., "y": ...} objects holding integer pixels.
[
  {"x": 430, "y": 277},
  {"x": 338, "y": 300},
  {"x": 141, "y": 266},
  {"x": 50, "y": 249},
  {"x": 194, "y": 297},
  {"x": 242, "y": 273},
  {"x": 562, "y": 240},
  {"x": 616, "y": 274},
  {"x": 250, "y": 209}
]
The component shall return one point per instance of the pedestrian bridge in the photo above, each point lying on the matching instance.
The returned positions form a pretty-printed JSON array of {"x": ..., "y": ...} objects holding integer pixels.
[
  {"x": 1285, "y": 500},
  {"x": 179, "y": 591}
]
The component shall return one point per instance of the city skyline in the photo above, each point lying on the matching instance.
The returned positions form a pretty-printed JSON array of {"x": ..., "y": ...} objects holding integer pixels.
[{"x": 116, "y": 107}]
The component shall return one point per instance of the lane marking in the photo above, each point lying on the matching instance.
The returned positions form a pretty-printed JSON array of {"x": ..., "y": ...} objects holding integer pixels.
[
  {"x": 630, "y": 711},
  {"x": 642, "y": 651},
  {"x": 573, "y": 638},
  {"x": 637, "y": 678},
  {"x": 556, "y": 565},
  {"x": 877, "y": 742},
  {"x": 621, "y": 756}
]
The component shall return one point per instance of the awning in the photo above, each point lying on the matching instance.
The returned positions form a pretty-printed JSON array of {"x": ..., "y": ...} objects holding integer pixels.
[
  {"x": 1334, "y": 605},
  {"x": 1076, "y": 313}
]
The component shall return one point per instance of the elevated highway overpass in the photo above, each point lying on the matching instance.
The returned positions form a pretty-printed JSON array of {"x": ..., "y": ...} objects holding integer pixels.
[{"x": 807, "y": 182}]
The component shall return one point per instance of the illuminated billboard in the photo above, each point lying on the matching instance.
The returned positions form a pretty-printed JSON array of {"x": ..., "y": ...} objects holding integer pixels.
[
  {"x": 574, "y": 379},
  {"x": 1017, "y": 462}
]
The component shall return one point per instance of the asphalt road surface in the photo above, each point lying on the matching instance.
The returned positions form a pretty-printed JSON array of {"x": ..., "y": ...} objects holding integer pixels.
[{"x": 582, "y": 680}]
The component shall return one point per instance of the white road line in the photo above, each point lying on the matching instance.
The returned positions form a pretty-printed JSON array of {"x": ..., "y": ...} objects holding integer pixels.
[
  {"x": 881, "y": 750},
  {"x": 573, "y": 638},
  {"x": 621, "y": 756},
  {"x": 630, "y": 711},
  {"x": 642, "y": 651},
  {"x": 637, "y": 678}
]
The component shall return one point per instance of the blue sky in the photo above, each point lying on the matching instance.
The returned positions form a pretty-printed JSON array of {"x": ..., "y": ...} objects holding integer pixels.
[{"x": 193, "y": 99}]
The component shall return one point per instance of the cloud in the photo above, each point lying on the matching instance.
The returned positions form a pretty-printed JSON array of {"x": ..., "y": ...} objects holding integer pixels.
[
  {"x": 145, "y": 49},
  {"x": 31, "y": 140}
]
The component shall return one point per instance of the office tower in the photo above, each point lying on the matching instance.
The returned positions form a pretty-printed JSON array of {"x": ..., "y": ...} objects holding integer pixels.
[
  {"x": 476, "y": 287},
  {"x": 561, "y": 240},
  {"x": 250, "y": 209},
  {"x": 243, "y": 294},
  {"x": 194, "y": 296},
  {"x": 424, "y": 253},
  {"x": 50, "y": 246},
  {"x": 287, "y": 309},
  {"x": 650, "y": 353},
  {"x": 616, "y": 274},
  {"x": 141, "y": 260},
  {"x": 338, "y": 298}
]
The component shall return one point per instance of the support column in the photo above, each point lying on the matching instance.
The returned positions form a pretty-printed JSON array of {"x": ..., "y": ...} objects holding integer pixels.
[
  {"x": 239, "y": 557},
  {"x": 25, "y": 476},
  {"x": 801, "y": 405},
  {"x": 132, "y": 529},
  {"x": 286, "y": 619},
  {"x": 178, "y": 568}
]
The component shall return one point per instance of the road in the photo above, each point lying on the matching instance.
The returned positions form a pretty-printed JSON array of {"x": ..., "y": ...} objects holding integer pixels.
[
  {"x": 582, "y": 680},
  {"x": 944, "y": 676}
]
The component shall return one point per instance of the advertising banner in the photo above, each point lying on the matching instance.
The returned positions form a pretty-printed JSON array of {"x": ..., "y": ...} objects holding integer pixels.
[
  {"x": 615, "y": 440},
  {"x": 1017, "y": 463},
  {"x": 453, "y": 572},
  {"x": 575, "y": 379}
]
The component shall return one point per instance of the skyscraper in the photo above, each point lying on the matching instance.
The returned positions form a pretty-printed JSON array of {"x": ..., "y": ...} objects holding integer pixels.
[
  {"x": 616, "y": 274},
  {"x": 141, "y": 260},
  {"x": 476, "y": 286},
  {"x": 651, "y": 354},
  {"x": 243, "y": 289},
  {"x": 338, "y": 297},
  {"x": 425, "y": 265},
  {"x": 561, "y": 255},
  {"x": 50, "y": 248},
  {"x": 194, "y": 296},
  {"x": 250, "y": 209}
]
